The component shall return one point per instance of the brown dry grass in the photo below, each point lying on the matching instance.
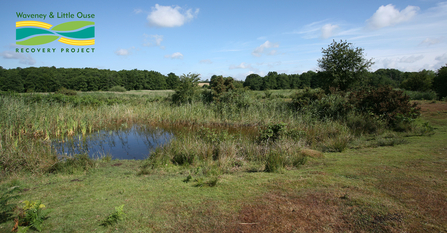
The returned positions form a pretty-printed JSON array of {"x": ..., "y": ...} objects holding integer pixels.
[{"x": 312, "y": 153}]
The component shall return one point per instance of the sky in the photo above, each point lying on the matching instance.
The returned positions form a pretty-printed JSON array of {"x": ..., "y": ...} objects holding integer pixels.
[{"x": 234, "y": 38}]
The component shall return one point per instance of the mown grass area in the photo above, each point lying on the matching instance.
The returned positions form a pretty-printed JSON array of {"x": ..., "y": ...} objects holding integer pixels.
[{"x": 365, "y": 188}]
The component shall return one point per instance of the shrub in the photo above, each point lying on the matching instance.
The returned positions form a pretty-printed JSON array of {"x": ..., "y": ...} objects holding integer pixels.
[
  {"x": 305, "y": 98},
  {"x": 114, "y": 217},
  {"x": 275, "y": 162},
  {"x": 361, "y": 123},
  {"x": 419, "y": 95},
  {"x": 332, "y": 106},
  {"x": 385, "y": 103},
  {"x": 117, "y": 89},
  {"x": 187, "y": 89},
  {"x": 213, "y": 136},
  {"x": 183, "y": 158},
  {"x": 272, "y": 133}
]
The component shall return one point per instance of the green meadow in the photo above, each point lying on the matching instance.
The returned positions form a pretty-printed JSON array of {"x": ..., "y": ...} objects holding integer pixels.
[{"x": 241, "y": 161}]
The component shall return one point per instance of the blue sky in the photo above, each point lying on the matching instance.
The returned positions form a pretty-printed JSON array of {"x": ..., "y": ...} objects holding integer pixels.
[{"x": 236, "y": 38}]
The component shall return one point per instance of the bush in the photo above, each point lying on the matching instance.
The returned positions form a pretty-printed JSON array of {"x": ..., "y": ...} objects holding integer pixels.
[
  {"x": 187, "y": 89},
  {"x": 183, "y": 158},
  {"x": 272, "y": 133},
  {"x": 305, "y": 98},
  {"x": 419, "y": 95},
  {"x": 385, "y": 103},
  {"x": 117, "y": 89},
  {"x": 361, "y": 123},
  {"x": 275, "y": 162},
  {"x": 332, "y": 106}
]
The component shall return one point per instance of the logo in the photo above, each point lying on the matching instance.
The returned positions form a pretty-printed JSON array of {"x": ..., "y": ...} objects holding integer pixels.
[{"x": 78, "y": 33}]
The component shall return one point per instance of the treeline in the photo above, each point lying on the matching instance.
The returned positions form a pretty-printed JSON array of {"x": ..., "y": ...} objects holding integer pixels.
[
  {"x": 422, "y": 81},
  {"x": 50, "y": 79},
  {"x": 385, "y": 77}
]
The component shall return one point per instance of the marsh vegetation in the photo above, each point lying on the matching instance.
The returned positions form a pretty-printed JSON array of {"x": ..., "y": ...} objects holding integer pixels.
[{"x": 337, "y": 158}]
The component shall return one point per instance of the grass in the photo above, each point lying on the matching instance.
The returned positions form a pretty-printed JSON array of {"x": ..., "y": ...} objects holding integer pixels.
[{"x": 365, "y": 188}]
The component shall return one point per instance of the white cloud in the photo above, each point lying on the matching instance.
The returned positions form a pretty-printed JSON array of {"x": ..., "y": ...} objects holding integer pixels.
[
  {"x": 137, "y": 11},
  {"x": 23, "y": 58},
  {"x": 273, "y": 52},
  {"x": 243, "y": 65},
  {"x": 259, "y": 50},
  {"x": 431, "y": 41},
  {"x": 328, "y": 30},
  {"x": 124, "y": 52},
  {"x": 167, "y": 16},
  {"x": 411, "y": 59},
  {"x": 176, "y": 55},
  {"x": 153, "y": 40},
  {"x": 206, "y": 61},
  {"x": 389, "y": 16}
]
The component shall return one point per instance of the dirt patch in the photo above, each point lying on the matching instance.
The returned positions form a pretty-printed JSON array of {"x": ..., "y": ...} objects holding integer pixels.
[
  {"x": 430, "y": 107},
  {"x": 314, "y": 212},
  {"x": 424, "y": 199},
  {"x": 117, "y": 164}
]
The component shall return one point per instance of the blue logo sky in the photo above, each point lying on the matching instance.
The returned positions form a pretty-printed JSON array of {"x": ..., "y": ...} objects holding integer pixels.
[{"x": 236, "y": 38}]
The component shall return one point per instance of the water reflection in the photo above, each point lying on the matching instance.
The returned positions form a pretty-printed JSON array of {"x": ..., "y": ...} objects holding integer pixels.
[{"x": 135, "y": 142}]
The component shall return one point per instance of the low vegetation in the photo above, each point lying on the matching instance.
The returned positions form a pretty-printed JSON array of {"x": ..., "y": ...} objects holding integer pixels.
[
  {"x": 271, "y": 146},
  {"x": 342, "y": 157}
]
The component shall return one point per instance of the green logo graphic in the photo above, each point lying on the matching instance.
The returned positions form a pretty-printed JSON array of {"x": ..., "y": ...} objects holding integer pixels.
[{"x": 79, "y": 33}]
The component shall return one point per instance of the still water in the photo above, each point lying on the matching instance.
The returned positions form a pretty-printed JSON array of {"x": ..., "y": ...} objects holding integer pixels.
[{"x": 135, "y": 142}]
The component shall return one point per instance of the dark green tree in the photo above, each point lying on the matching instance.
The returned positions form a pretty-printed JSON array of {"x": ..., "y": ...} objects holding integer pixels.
[
  {"x": 419, "y": 81},
  {"x": 345, "y": 65},
  {"x": 282, "y": 81},
  {"x": 270, "y": 81},
  {"x": 307, "y": 79},
  {"x": 295, "y": 81},
  {"x": 253, "y": 81},
  {"x": 440, "y": 82},
  {"x": 172, "y": 81}
]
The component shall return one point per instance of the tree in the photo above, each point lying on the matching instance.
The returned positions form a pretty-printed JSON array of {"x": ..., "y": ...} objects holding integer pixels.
[
  {"x": 187, "y": 90},
  {"x": 419, "y": 81},
  {"x": 253, "y": 81},
  {"x": 283, "y": 81},
  {"x": 172, "y": 81},
  {"x": 270, "y": 81},
  {"x": 440, "y": 82},
  {"x": 344, "y": 63}
]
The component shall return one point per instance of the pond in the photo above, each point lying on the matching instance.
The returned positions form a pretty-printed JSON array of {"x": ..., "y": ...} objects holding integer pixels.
[{"x": 134, "y": 142}]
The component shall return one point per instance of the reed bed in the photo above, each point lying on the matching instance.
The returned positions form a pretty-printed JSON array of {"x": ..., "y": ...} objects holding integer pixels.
[{"x": 28, "y": 126}]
